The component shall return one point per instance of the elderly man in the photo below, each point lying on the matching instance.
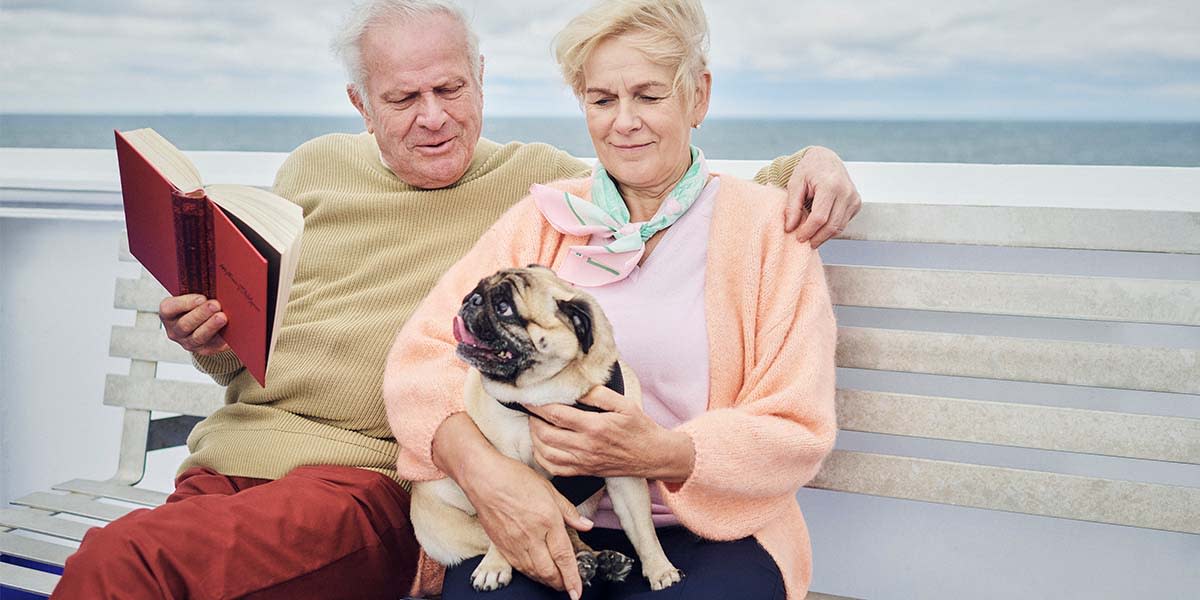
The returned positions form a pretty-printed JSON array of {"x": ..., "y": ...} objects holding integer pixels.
[{"x": 290, "y": 490}]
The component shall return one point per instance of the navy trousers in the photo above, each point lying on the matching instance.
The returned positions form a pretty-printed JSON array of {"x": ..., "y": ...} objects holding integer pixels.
[{"x": 712, "y": 571}]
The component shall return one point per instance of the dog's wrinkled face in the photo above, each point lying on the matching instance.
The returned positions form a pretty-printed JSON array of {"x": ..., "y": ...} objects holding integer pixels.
[{"x": 523, "y": 326}]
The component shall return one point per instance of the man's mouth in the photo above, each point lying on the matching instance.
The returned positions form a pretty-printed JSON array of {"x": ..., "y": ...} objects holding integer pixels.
[{"x": 433, "y": 148}]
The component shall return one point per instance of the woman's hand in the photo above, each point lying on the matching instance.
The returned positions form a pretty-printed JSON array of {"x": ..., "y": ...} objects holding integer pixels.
[
  {"x": 523, "y": 515},
  {"x": 623, "y": 442}
]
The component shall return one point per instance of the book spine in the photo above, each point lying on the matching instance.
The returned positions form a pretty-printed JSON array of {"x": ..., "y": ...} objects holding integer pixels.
[
  {"x": 190, "y": 214},
  {"x": 210, "y": 253}
]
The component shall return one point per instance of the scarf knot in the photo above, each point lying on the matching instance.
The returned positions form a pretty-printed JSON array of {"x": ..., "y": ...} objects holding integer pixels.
[{"x": 607, "y": 217}]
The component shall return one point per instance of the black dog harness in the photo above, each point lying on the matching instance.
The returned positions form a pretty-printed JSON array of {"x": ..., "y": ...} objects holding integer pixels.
[{"x": 580, "y": 487}]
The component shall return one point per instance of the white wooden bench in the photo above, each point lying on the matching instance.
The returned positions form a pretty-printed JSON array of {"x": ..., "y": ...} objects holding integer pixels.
[{"x": 30, "y": 531}]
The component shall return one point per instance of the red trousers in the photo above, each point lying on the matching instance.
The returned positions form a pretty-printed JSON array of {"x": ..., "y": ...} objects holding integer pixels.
[{"x": 318, "y": 532}]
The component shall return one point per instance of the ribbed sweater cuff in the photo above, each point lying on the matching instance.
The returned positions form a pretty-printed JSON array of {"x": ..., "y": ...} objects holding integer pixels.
[
  {"x": 779, "y": 171},
  {"x": 217, "y": 364}
]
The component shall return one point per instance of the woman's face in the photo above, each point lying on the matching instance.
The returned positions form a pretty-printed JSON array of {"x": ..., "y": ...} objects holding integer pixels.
[{"x": 641, "y": 129}]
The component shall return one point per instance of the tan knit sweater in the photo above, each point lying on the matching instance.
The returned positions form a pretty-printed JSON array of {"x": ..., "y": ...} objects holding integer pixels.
[{"x": 373, "y": 247}]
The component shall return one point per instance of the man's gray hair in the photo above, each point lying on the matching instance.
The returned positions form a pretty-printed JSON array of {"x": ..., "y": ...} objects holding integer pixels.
[{"x": 347, "y": 43}]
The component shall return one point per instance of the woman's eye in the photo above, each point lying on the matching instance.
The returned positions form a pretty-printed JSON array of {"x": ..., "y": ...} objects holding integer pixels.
[
  {"x": 602, "y": 102},
  {"x": 504, "y": 309}
]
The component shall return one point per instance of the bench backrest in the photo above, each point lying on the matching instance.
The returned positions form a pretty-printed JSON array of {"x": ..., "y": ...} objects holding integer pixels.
[
  {"x": 888, "y": 346},
  {"x": 142, "y": 391}
]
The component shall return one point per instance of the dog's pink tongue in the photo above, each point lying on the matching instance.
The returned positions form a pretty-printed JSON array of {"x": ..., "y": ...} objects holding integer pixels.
[{"x": 463, "y": 336}]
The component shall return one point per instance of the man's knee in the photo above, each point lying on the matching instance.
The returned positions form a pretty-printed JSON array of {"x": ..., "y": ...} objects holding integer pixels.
[
  {"x": 121, "y": 538},
  {"x": 109, "y": 557}
]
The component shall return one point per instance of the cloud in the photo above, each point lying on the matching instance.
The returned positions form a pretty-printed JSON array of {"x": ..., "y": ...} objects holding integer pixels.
[
  {"x": 869, "y": 39},
  {"x": 273, "y": 56}
]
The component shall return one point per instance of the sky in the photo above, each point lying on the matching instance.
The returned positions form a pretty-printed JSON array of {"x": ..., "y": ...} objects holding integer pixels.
[{"x": 920, "y": 59}]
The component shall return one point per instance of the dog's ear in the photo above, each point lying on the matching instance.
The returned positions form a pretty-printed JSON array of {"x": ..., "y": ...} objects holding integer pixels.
[{"x": 580, "y": 317}]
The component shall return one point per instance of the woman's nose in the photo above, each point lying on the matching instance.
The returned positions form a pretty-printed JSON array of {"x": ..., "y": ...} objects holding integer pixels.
[{"x": 627, "y": 118}]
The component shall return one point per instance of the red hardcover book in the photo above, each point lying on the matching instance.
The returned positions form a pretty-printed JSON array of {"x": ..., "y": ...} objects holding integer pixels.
[{"x": 237, "y": 244}]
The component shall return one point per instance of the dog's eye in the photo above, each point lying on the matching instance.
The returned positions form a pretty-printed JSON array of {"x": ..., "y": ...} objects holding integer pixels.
[{"x": 504, "y": 309}]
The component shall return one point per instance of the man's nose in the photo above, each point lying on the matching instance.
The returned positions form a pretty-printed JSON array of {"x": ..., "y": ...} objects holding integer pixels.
[{"x": 431, "y": 114}]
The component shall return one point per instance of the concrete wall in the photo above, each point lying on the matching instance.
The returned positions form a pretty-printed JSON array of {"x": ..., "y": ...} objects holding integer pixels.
[{"x": 56, "y": 283}]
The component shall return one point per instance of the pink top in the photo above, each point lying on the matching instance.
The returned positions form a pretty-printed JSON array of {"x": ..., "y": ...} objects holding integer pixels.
[
  {"x": 770, "y": 417},
  {"x": 657, "y": 314}
]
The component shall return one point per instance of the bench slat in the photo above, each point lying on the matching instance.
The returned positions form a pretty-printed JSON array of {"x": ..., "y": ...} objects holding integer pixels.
[
  {"x": 138, "y": 294},
  {"x": 1057, "y": 296},
  {"x": 145, "y": 344},
  {"x": 27, "y": 580},
  {"x": 1148, "y": 505},
  {"x": 74, "y": 504},
  {"x": 1021, "y": 359},
  {"x": 185, "y": 397},
  {"x": 38, "y": 550},
  {"x": 38, "y": 521},
  {"x": 123, "y": 253},
  {"x": 1030, "y": 227},
  {"x": 116, "y": 491},
  {"x": 1175, "y": 439}
]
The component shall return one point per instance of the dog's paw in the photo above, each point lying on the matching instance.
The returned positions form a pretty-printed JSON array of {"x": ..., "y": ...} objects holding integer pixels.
[
  {"x": 664, "y": 578},
  {"x": 491, "y": 575},
  {"x": 613, "y": 566},
  {"x": 588, "y": 564}
]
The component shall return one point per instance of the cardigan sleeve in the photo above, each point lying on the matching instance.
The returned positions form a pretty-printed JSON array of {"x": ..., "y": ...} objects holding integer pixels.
[
  {"x": 752, "y": 459},
  {"x": 423, "y": 378}
]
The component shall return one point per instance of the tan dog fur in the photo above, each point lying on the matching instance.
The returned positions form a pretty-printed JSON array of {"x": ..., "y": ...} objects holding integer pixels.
[{"x": 444, "y": 520}]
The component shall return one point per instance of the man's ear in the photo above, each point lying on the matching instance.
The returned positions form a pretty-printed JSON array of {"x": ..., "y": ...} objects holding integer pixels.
[
  {"x": 360, "y": 104},
  {"x": 580, "y": 317}
]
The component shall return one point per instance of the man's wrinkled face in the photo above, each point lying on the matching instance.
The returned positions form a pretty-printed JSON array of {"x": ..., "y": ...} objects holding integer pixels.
[{"x": 426, "y": 106}]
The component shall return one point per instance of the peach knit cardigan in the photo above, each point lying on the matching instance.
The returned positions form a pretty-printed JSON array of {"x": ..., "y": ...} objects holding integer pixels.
[{"x": 770, "y": 419}]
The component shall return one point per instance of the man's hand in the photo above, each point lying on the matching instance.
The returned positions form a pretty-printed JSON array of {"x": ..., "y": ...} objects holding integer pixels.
[
  {"x": 821, "y": 198},
  {"x": 622, "y": 442},
  {"x": 523, "y": 515},
  {"x": 194, "y": 322}
]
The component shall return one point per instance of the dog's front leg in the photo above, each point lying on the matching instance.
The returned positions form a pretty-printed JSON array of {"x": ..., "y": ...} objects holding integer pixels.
[
  {"x": 631, "y": 501},
  {"x": 493, "y": 571}
]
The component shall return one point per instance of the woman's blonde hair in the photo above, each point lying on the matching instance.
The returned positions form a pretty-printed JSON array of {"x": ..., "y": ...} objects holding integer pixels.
[{"x": 673, "y": 33}]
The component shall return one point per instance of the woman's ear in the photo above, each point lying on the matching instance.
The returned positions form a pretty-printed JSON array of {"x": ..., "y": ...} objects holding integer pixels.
[{"x": 703, "y": 94}]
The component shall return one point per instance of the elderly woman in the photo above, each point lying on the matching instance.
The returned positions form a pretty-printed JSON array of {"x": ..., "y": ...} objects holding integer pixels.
[{"x": 727, "y": 324}]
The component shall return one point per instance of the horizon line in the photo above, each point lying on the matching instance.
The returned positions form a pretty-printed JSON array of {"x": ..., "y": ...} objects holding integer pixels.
[{"x": 839, "y": 118}]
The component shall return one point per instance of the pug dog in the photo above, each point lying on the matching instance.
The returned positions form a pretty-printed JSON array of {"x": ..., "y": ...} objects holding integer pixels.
[{"x": 532, "y": 339}]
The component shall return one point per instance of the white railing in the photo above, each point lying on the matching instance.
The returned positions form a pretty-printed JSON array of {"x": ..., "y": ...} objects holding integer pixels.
[{"x": 83, "y": 184}]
